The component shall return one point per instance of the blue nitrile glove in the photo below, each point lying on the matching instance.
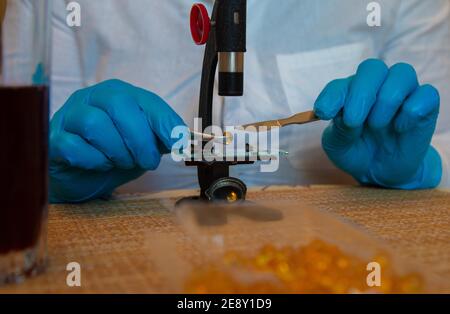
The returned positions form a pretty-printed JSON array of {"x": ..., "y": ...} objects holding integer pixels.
[
  {"x": 382, "y": 127},
  {"x": 104, "y": 136}
]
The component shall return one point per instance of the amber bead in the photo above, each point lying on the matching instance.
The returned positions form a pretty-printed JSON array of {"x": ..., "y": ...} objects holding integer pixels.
[{"x": 315, "y": 268}]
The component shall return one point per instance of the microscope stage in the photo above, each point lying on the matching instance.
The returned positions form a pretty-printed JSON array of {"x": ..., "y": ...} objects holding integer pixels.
[{"x": 238, "y": 155}]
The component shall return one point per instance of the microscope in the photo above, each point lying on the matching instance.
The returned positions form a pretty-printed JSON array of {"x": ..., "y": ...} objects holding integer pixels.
[{"x": 225, "y": 37}]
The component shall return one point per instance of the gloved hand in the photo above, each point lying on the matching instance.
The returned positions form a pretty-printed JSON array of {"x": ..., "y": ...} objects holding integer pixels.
[
  {"x": 105, "y": 136},
  {"x": 382, "y": 127}
]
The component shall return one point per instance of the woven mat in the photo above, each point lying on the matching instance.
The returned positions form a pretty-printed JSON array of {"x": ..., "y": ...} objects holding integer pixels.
[{"x": 109, "y": 238}]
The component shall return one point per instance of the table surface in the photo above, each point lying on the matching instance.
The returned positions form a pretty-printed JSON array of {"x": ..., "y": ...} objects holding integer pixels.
[{"x": 108, "y": 238}]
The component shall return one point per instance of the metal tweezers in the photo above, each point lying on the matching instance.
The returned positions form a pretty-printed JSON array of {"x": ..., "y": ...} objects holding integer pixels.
[{"x": 300, "y": 118}]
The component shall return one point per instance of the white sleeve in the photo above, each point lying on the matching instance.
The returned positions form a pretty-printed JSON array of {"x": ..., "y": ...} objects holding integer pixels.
[
  {"x": 67, "y": 73},
  {"x": 422, "y": 38}
]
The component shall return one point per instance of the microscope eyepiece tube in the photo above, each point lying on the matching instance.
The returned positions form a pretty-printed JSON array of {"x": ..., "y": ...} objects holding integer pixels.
[{"x": 231, "y": 45}]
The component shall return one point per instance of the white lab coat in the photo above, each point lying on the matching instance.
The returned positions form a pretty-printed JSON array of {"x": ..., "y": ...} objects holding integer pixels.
[{"x": 294, "y": 48}]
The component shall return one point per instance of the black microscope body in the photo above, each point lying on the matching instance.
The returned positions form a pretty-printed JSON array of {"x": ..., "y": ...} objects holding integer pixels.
[{"x": 225, "y": 38}]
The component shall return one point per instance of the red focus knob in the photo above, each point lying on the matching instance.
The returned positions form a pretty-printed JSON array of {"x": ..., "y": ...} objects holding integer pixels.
[{"x": 200, "y": 24}]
